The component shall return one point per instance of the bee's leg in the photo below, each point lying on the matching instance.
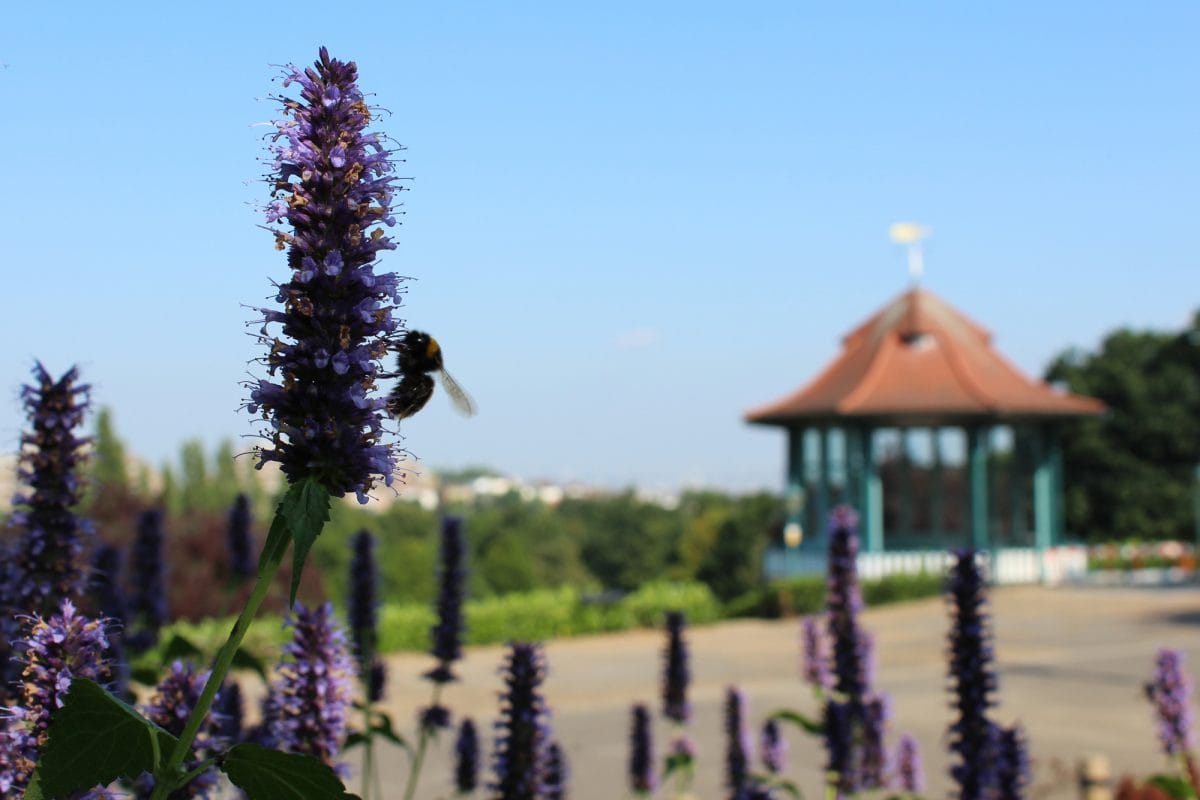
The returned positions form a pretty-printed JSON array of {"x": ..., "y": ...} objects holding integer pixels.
[{"x": 410, "y": 396}]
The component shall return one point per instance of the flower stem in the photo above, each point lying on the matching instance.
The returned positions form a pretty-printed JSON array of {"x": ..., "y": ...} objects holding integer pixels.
[
  {"x": 166, "y": 779},
  {"x": 368, "y": 750},
  {"x": 419, "y": 758}
]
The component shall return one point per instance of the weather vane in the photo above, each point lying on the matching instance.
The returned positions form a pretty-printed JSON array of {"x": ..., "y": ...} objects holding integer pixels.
[{"x": 910, "y": 235}]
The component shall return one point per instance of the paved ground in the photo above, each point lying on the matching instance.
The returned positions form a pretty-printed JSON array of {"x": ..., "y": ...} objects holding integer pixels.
[{"x": 1072, "y": 661}]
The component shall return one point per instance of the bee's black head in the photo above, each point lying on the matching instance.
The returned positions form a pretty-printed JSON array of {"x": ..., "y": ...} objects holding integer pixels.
[{"x": 419, "y": 352}]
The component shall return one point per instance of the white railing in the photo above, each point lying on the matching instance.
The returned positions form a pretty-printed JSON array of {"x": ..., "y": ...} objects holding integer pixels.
[{"x": 1011, "y": 565}]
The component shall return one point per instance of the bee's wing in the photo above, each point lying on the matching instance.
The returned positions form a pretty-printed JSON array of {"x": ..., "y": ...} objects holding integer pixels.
[{"x": 462, "y": 401}]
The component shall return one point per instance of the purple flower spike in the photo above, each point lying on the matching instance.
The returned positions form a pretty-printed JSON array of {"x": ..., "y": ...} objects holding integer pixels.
[
  {"x": 874, "y": 762},
  {"x": 843, "y": 602},
  {"x": 839, "y": 744},
  {"x": 773, "y": 748},
  {"x": 1012, "y": 764},
  {"x": 557, "y": 774},
  {"x": 310, "y": 695},
  {"x": 814, "y": 664},
  {"x": 241, "y": 556},
  {"x": 333, "y": 186},
  {"x": 109, "y": 601},
  {"x": 466, "y": 758},
  {"x": 910, "y": 775},
  {"x": 362, "y": 611},
  {"x": 522, "y": 729},
  {"x": 737, "y": 739},
  {"x": 228, "y": 714},
  {"x": 68, "y": 645},
  {"x": 47, "y": 564},
  {"x": 642, "y": 779},
  {"x": 148, "y": 604},
  {"x": 1171, "y": 692},
  {"x": 169, "y": 707},
  {"x": 675, "y": 674},
  {"x": 972, "y": 679},
  {"x": 447, "y": 634}
]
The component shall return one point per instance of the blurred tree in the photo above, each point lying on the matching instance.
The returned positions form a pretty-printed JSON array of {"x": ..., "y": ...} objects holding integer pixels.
[{"x": 1129, "y": 473}]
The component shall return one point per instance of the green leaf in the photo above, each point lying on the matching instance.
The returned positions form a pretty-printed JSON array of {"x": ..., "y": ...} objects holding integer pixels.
[
  {"x": 94, "y": 739},
  {"x": 180, "y": 647},
  {"x": 306, "y": 509},
  {"x": 1173, "y": 785},
  {"x": 244, "y": 659},
  {"x": 806, "y": 724},
  {"x": 676, "y": 761},
  {"x": 271, "y": 775},
  {"x": 146, "y": 676},
  {"x": 278, "y": 538}
]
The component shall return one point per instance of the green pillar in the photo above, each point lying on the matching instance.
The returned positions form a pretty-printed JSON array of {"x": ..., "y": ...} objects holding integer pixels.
[
  {"x": 906, "y": 484},
  {"x": 1019, "y": 466},
  {"x": 872, "y": 514},
  {"x": 937, "y": 486},
  {"x": 977, "y": 484},
  {"x": 822, "y": 505},
  {"x": 1044, "y": 500},
  {"x": 1058, "y": 521}
]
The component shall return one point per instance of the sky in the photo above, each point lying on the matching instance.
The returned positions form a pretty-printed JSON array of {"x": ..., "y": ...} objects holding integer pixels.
[{"x": 628, "y": 222}]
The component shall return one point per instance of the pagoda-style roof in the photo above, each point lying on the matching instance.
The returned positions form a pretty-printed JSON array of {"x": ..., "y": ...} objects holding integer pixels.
[{"x": 918, "y": 360}]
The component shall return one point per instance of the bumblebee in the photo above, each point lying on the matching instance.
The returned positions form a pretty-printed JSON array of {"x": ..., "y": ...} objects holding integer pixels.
[{"x": 420, "y": 358}]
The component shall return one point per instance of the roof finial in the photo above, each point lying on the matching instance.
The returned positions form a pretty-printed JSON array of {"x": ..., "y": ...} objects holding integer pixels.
[{"x": 910, "y": 235}]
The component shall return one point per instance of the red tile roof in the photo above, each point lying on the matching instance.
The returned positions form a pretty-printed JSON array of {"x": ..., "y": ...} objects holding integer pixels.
[{"x": 920, "y": 360}]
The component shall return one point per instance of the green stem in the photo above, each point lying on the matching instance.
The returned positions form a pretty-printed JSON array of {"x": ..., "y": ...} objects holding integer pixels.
[
  {"x": 419, "y": 758},
  {"x": 167, "y": 777},
  {"x": 368, "y": 751}
]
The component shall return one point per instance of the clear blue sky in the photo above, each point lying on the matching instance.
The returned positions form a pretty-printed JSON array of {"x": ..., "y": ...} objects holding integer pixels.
[{"x": 629, "y": 221}]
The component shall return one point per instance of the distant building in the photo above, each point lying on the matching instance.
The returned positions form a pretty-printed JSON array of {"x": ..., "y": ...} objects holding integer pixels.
[{"x": 935, "y": 438}]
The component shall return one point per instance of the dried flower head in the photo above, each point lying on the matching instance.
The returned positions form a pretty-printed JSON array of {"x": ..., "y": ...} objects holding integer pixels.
[{"x": 333, "y": 184}]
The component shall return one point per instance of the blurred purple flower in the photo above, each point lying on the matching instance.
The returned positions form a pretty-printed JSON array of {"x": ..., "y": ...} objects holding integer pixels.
[
  {"x": 466, "y": 757},
  {"x": 1012, "y": 764},
  {"x": 148, "y": 600},
  {"x": 874, "y": 762},
  {"x": 241, "y": 546},
  {"x": 55, "y": 651},
  {"x": 642, "y": 779},
  {"x": 310, "y": 694},
  {"x": 556, "y": 774},
  {"x": 522, "y": 729},
  {"x": 104, "y": 588},
  {"x": 843, "y": 602},
  {"x": 972, "y": 680},
  {"x": 228, "y": 714},
  {"x": 838, "y": 724},
  {"x": 362, "y": 611},
  {"x": 814, "y": 664},
  {"x": 434, "y": 718},
  {"x": 333, "y": 183},
  {"x": 773, "y": 747},
  {"x": 910, "y": 775},
  {"x": 675, "y": 673},
  {"x": 1170, "y": 689},
  {"x": 173, "y": 700},
  {"x": 737, "y": 742},
  {"x": 447, "y": 634}
]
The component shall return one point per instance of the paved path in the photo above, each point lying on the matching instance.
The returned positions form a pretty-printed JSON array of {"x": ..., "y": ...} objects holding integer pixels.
[{"x": 1072, "y": 662}]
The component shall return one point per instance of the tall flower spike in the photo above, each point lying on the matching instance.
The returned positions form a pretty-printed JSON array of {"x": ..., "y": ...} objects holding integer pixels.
[
  {"x": 109, "y": 601},
  {"x": 642, "y": 779},
  {"x": 675, "y": 672},
  {"x": 773, "y": 748},
  {"x": 310, "y": 695},
  {"x": 874, "y": 762},
  {"x": 910, "y": 775},
  {"x": 737, "y": 743},
  {"x": 1170, "y": 689},
  {"x": 522, "y": 729},
  {"x": 148, "y": 603},
  {"x": 557, "y": 774},
  {"x": 972, "y": 679},
  {"x": 362, "y": 610},
  {"x": 173, "y": 700},
  {"x": 333, "y": 184},
  {"x": 466, "y": 757},
  {"x": 241, "y": 556},
  {"x": 838, "y": 724},
  {"x": 814, "y": 662},
  {"x": 446, "y": 635},
  {"x": 843, "y": 601},
  {"x": 48, "y": 559},
  {"x": 1012, "y": 764},
  {"x": 57, "y": 650}
]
